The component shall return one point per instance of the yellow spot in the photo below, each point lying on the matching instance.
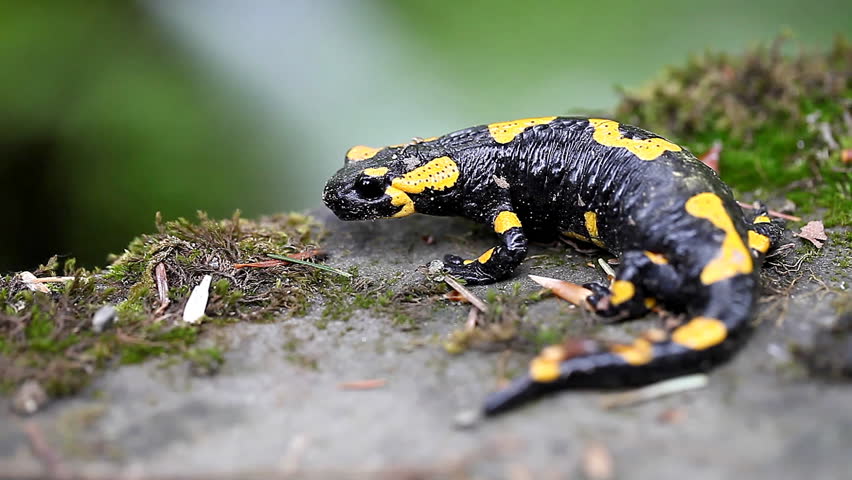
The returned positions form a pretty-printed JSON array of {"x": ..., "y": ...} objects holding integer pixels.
[
  {"x": 758, "y": 242},
  {"x": 607, "y": 134},
  {"x": 485, "y": 256},
  {"x": 639, "y": 352},
  {"x": 400, "y": 199},
  {"x": 657, "y": 258},
  {"x": 650, "y": 302},
  {"x": 506, "y": 220},
  {"x": 361, "y": 152},
  {"x": 592, "y": 228},
  {"x": 576, "y": 235},
  {"x": 700, "y": 333},
  {"x": 468, "y": 262},
  {"x": 544, "y": 370},
  {"x": 622, "y": 291},
  {"x": 376, "y": 172},
  {"x": 439, "y": 174},
  {"x": 592, "y": 224},
  {"x": 733, "y": 257},
  {"x": 505, "y": 132},
  {"x": 762, "y": 219}
]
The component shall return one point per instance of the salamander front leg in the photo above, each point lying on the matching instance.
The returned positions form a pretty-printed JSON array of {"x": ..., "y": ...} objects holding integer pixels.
[
  {"x": 764, "y": 233},
  {"x": 496, "y": 263}
]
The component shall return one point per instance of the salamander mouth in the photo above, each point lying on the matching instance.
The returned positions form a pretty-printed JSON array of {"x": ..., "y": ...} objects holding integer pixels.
[{"x": 348, "y": 206}]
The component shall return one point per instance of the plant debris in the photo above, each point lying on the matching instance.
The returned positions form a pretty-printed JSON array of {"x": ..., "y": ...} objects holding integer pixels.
[
  {"x": 711, "y": 157},
  {"x": 772, "y": 213},
  {"x": 162, "y": 280},
  {"x": 466, "y": 294},
  {"x": 370, "y": 384},
  {"x": 672, "y": 416},
  {"x": 496, "y": 325},
  {"x": 597, "y": 462},
  {"x": 57, "y": 335},
  {"x": 654, "y": 391},
  {"x": 813, "y": 232},
  {"x": 32, "y": 282},
  {"x": 193, "y": 312},
  {"x": 326, "y": 268},
  {"x": 565, "y": 290}
]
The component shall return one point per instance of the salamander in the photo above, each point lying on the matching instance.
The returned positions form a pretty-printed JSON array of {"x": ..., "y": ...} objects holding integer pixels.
[{"x": 683, "y": 242}]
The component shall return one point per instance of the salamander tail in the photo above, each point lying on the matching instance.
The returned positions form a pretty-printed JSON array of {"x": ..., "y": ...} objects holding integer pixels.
[{"x": 697, "y": 345}]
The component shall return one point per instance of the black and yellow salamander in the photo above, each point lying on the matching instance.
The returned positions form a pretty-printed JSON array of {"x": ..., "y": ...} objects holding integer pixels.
[{"x": 683, "y": 241}]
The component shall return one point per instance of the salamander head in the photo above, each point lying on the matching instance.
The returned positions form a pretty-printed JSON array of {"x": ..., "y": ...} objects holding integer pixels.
[{"x": 383, "y": 183}]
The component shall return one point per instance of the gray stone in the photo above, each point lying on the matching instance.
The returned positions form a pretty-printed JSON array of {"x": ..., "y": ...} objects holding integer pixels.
[
  {"x": 103, "y": 318},
  {"x": 264, "y": 415}
]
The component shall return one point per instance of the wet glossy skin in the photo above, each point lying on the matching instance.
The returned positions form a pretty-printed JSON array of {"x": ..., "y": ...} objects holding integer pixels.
[{"x": 683, "y": 241}]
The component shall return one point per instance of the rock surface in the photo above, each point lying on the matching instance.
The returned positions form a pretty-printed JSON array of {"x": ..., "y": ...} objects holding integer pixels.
[{"x": 266, "y": 415}]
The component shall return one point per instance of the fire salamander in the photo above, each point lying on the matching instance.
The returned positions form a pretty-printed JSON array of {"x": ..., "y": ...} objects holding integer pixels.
[{"x": 683, "y": 241}]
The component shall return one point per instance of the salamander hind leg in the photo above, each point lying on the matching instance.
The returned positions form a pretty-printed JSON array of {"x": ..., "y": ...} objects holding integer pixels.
[
  {"x": 495, "y": 263},
  {"x": 643, "y": 279}
]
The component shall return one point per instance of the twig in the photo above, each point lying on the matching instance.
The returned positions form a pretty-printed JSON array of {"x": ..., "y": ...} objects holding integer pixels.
[
  {"x": 568, "y": 291},
  {"x": 46, "y": 455},
  {"x": 654, "y": 391},
  {"x": 312, "y": 253},
  {"x": 51, "y": 279},
  {"x": 370, "y": 384},
  {"x": 772, "y": 213},
  {"x": 310, "y": 264},
  {"x": 473, "y": 299},
  {"x": 263, "y": 264},
  {"x": 472, "y": 319},
  {"x": 606, "y": 268}
]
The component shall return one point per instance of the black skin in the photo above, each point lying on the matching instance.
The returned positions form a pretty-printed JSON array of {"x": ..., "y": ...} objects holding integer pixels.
[{"x": 550, "y": 175}]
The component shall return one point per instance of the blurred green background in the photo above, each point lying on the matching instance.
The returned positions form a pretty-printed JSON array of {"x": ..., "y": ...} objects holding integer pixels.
[{"x": 111, "y": 111}]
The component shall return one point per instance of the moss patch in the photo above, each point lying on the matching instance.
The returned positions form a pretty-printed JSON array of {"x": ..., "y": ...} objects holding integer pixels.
[
  {"x": 784, "y": 120},
  {"x": 49, "y": 336},
  {"x": 502, "y": 325}
]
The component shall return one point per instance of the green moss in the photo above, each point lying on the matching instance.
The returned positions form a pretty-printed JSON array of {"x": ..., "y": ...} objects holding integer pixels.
[
  {"x": 205, "y": 361},
  {"x": 49, "y": 337},
  {"x": 499, "y": 325},
  {"x": 292, "y": 354},
  {"x": 780, "y": 119},
  {"x": 545, "y": 336}
]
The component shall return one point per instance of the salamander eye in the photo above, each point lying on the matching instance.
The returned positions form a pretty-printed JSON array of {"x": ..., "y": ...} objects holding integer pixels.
[{"x": 369, "y": 186}]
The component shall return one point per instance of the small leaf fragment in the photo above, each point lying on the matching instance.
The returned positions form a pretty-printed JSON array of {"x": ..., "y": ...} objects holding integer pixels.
[{"x": 814, "y": 232}]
